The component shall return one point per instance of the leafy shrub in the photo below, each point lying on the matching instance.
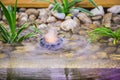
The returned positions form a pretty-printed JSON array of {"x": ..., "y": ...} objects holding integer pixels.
[
  {"x": 105, "y": 32},
  {"x": 12, "y": 35},
  {"x": 65, "y": 6}
]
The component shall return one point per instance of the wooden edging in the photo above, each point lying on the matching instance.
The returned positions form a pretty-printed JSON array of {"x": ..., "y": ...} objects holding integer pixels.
[{"x": 31, "y": 3}]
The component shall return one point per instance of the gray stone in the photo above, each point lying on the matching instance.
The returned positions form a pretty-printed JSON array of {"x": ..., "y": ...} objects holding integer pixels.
[
  {"x": 58, "y": 15},
  {"x": 43, "y": 15},
  {"x": 51, "y": 19},
  {"x": 97, "y": 11},
  {"x": 84, "y": 18},
  {"x": 96, "y": 17},
  {"x": 116, "y": 19},
  {"x": 51, "y": 6},
  {"x": 69, "y": 24},
  {"x": 32, "y": 11},
  {"x": 22, "y": 9},
  {"x": 114, "y": 9},
  {"x": 74, "y": 12},
  {"x": 22, "y": 14},
  {"x": 67, "y": 17},
  {"x": 58, "y": 23},
  {"x": 42, "y": 26}
]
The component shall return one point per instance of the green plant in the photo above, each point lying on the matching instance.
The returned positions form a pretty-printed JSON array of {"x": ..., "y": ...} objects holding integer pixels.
[
  {"x": 65, "y": 6},
  {"x": 105, "y": 32},
  {"x": 12, "y": 35}
]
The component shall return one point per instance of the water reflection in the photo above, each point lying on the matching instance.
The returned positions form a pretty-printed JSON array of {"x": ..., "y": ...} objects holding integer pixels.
[{"x": 59, "y": 74}]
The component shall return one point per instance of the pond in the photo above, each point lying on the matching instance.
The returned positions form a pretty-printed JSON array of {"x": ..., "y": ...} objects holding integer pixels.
[{"x": 75, "y": 59}]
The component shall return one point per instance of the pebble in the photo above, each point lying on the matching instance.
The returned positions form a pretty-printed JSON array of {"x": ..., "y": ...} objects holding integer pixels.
[
  {"x": 69, "y": 24},
  {"x": 42, "y": 26},
  {"x": 84, "y": 18},
  {"x": 67, "y": 17},
  {"x": 107, "y": 19},
  {"x": 32, "y": 11},
  {"x": 51, "y": 19},
  {"x": 92, "y": 26},
  {"x": 116, "y": 19},
  {"x": 38, "y": 21},
  {"x": 82, "y": 32},
  {"x": 43, "y": 13},
  {"x": 22, "y": 14},
  {"x": 97, "y": 11},
  {"x": 74, "y": 12},
  {"x": 32, "y": 17},
  {"x": 75, "y": 37},
  {"x": 22, "y": 9},
  {"x": 96, "y": 17},
  {"x": 114, "y": 9},
  {"x": 59, "y": 15},
  {"x": 50, "y": 7},
  {"x": 97, "y": 23},
  {"x": 58, "y": 24}
]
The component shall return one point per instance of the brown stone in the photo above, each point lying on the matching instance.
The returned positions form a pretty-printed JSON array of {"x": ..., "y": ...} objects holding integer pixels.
[
  {"x": 92, "y": 26},
  {"x": 107, "y": 19},
  {"x": 32, "y": 17}
]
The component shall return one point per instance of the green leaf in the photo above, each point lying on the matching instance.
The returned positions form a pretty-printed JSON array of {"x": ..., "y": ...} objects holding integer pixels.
[
  {"x": 26, "y": 36},
  {"x": 84, "y": 10},
  {"x": 117, "y": 33},
  {"x": 93, "y": 3},
  {"x": 23, "y": 27},
  {"x": 56, "y": 7},
  {"x": 13, "y": 38},
  {"x": 4, "y": 33},
  {"x": 7, "y": 15},
  {"x": 73, "y": 2}
]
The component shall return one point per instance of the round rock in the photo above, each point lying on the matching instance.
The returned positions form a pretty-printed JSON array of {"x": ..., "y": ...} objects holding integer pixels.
[{"x": 97, "y": 11}]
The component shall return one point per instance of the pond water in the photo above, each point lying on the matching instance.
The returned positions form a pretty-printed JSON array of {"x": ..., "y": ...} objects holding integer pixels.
[
  {"x": 76, "y": 60},
  {"x": 59, "y": 74}
]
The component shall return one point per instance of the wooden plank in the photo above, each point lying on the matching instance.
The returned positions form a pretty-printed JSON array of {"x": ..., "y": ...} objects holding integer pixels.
[{"x": 31, "y": 3}]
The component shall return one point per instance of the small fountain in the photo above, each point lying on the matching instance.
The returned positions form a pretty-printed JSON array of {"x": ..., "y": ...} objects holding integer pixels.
[{"x": 51, "y": 41}]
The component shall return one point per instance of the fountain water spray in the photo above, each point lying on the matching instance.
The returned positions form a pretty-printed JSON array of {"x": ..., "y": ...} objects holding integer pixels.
[{"x": 51, "y": 41}]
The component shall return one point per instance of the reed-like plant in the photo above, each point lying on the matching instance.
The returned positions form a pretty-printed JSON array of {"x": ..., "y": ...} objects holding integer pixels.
[
  {"x": 105, "y": 32},
  {"x": 12, "y": 35},
  {"x": 64, "y": 6}
]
